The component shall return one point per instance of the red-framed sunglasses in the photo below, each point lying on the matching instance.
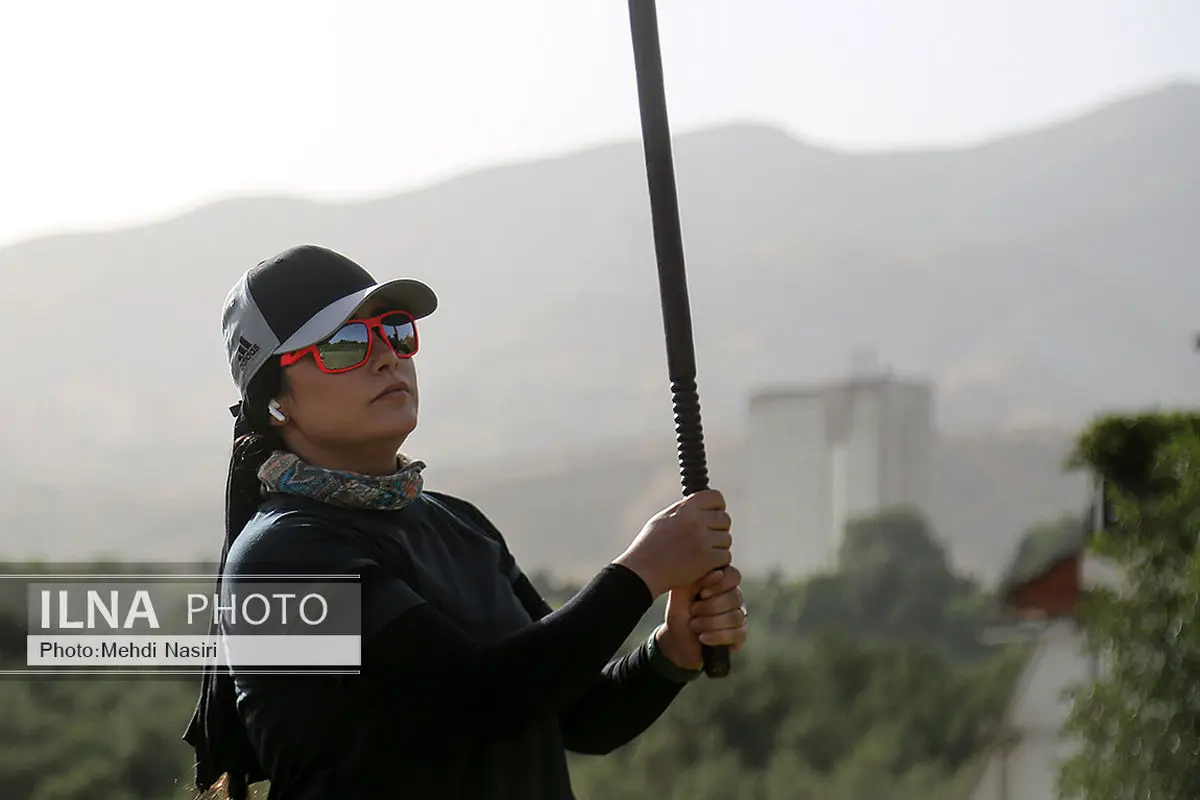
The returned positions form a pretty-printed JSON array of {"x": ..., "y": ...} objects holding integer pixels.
[{"x": 350, "y": 346}]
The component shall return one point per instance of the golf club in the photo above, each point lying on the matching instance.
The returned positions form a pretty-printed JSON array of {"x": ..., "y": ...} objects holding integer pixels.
[{"x": 672, "y": 277}]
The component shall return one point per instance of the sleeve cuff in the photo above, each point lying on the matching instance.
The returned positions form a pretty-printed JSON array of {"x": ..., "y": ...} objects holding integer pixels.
[{"x": 664, "y": 667}]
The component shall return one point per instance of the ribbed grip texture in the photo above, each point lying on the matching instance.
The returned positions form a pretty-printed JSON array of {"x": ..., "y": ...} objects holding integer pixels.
[
  {"x": 693, "y": 472},
  {"x": 689, "y": 436}
]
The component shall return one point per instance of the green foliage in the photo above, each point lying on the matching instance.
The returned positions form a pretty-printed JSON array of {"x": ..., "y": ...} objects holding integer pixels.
[
  {"x": 1139, "y": 726},
  {"x": 842, "y": 718},
  {"x": 876, "y": 543},
  {"x": 1127, "y": 449},
  {"x": 869, "y": 680},
  {"x": 894, "y": 583},
  {"x": 61, "y": 740}
]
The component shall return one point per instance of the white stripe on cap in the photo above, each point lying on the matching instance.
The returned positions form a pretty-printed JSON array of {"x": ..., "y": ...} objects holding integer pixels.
[{"x": 409, "y": 295}]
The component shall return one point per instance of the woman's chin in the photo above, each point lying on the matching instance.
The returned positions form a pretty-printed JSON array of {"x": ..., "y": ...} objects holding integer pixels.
[{"x": 396, "y": 423}]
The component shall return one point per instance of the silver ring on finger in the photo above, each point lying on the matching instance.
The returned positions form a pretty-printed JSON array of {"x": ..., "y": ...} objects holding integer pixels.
[{"x": 745, "y": 613}]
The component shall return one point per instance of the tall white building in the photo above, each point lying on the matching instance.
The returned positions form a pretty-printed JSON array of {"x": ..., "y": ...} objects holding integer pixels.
[{"x": 817, "y": 456}]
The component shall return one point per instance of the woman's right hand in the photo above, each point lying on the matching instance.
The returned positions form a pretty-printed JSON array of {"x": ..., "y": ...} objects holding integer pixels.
[{"x": 682, "y": 543}]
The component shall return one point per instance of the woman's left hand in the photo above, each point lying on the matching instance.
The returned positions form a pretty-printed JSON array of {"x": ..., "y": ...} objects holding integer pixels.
[{"x": 717, "y": 618}]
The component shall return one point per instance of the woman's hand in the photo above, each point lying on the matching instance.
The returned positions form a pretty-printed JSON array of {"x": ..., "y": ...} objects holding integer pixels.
[
  {"x": 717, "y": 618},
  {"x": 682, "y": 543}
]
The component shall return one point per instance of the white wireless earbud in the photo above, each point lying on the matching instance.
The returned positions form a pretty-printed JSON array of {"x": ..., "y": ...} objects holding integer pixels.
[{"x": 273, "y": 409}]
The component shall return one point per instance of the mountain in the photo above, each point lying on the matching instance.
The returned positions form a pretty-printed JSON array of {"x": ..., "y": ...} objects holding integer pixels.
[{"x": 1036, "y": 278}]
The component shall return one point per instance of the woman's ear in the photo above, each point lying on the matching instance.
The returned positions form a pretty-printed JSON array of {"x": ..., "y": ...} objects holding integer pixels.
[{"x": 274, "y": 410}]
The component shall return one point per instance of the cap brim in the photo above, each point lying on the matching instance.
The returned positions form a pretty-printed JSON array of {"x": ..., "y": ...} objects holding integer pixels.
[{"x": 404, "y": 294}]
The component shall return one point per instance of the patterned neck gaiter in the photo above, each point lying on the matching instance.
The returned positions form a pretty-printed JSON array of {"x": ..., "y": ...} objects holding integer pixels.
[{"x": 285, "y": 472}]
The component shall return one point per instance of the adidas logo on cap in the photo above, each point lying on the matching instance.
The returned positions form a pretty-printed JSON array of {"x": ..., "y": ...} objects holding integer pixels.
[{"x": 245, "y": 351}]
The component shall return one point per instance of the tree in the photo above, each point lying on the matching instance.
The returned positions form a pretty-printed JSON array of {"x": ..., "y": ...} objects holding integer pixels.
[
  {"x": 1138, "y": 727},
  {"x": 838, "y": 718},
  {"x": 896, "y": 537},
  {"x": 894, "y": 582}
]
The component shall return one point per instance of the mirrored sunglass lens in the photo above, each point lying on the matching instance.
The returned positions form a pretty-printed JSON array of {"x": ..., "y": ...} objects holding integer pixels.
[
  {"x": 346, "y": 348},
  {"x": 401, "y": 332}
]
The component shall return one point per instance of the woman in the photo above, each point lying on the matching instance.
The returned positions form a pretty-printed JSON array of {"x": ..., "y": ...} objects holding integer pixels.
[{"x": 471, "y": 687}]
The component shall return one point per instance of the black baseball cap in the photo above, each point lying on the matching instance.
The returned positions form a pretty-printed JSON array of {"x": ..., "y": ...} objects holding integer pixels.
[{"x": 300, "y": 297}]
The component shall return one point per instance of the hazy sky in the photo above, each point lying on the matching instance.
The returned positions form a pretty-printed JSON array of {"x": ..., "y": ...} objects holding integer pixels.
[{"x": 121, "y": 112}]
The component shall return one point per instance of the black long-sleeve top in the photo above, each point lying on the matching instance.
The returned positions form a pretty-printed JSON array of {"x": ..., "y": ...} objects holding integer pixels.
[{"x": 471, "y": 686}]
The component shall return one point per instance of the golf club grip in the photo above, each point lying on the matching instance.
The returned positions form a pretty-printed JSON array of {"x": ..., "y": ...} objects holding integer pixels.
[
  {"x": 672, "y": 276},
  {"x": 693, "y": 470},
  {"x": 689, "y": 436}
]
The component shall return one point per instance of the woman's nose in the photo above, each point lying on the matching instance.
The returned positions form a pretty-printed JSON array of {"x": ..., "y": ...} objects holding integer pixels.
[{"x": 382, "y": 352}]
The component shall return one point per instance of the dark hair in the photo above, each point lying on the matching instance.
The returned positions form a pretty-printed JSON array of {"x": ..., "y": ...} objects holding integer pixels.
[{"x": 254, "y": 441}]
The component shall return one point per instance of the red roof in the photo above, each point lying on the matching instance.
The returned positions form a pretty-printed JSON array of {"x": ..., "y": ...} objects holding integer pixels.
[{"x": 1053, "y": 592}]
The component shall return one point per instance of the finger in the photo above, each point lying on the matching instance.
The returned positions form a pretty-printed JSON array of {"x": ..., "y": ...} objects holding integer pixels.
[
  {"x": 722, "y": 557},
  {"x": 723, "y": 603},
  {"x": 707, "y": 500},
  {"x": 734, "y": 638},
  {"x": 698, "y": 587},
  {"x": 720, "y": 539},
  {"x": 720, "y": 521},
  {"x": 719, "y": 558},
  {"x": 729, "y": 578},
  {"x": 728, "y": 620},
  {"x": 710, "y": 584},
  {"x": 718, "y": 605}
]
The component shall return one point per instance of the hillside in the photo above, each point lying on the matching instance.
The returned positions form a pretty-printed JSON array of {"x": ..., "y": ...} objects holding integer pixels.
[{"x": 1038, "y": 277}]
